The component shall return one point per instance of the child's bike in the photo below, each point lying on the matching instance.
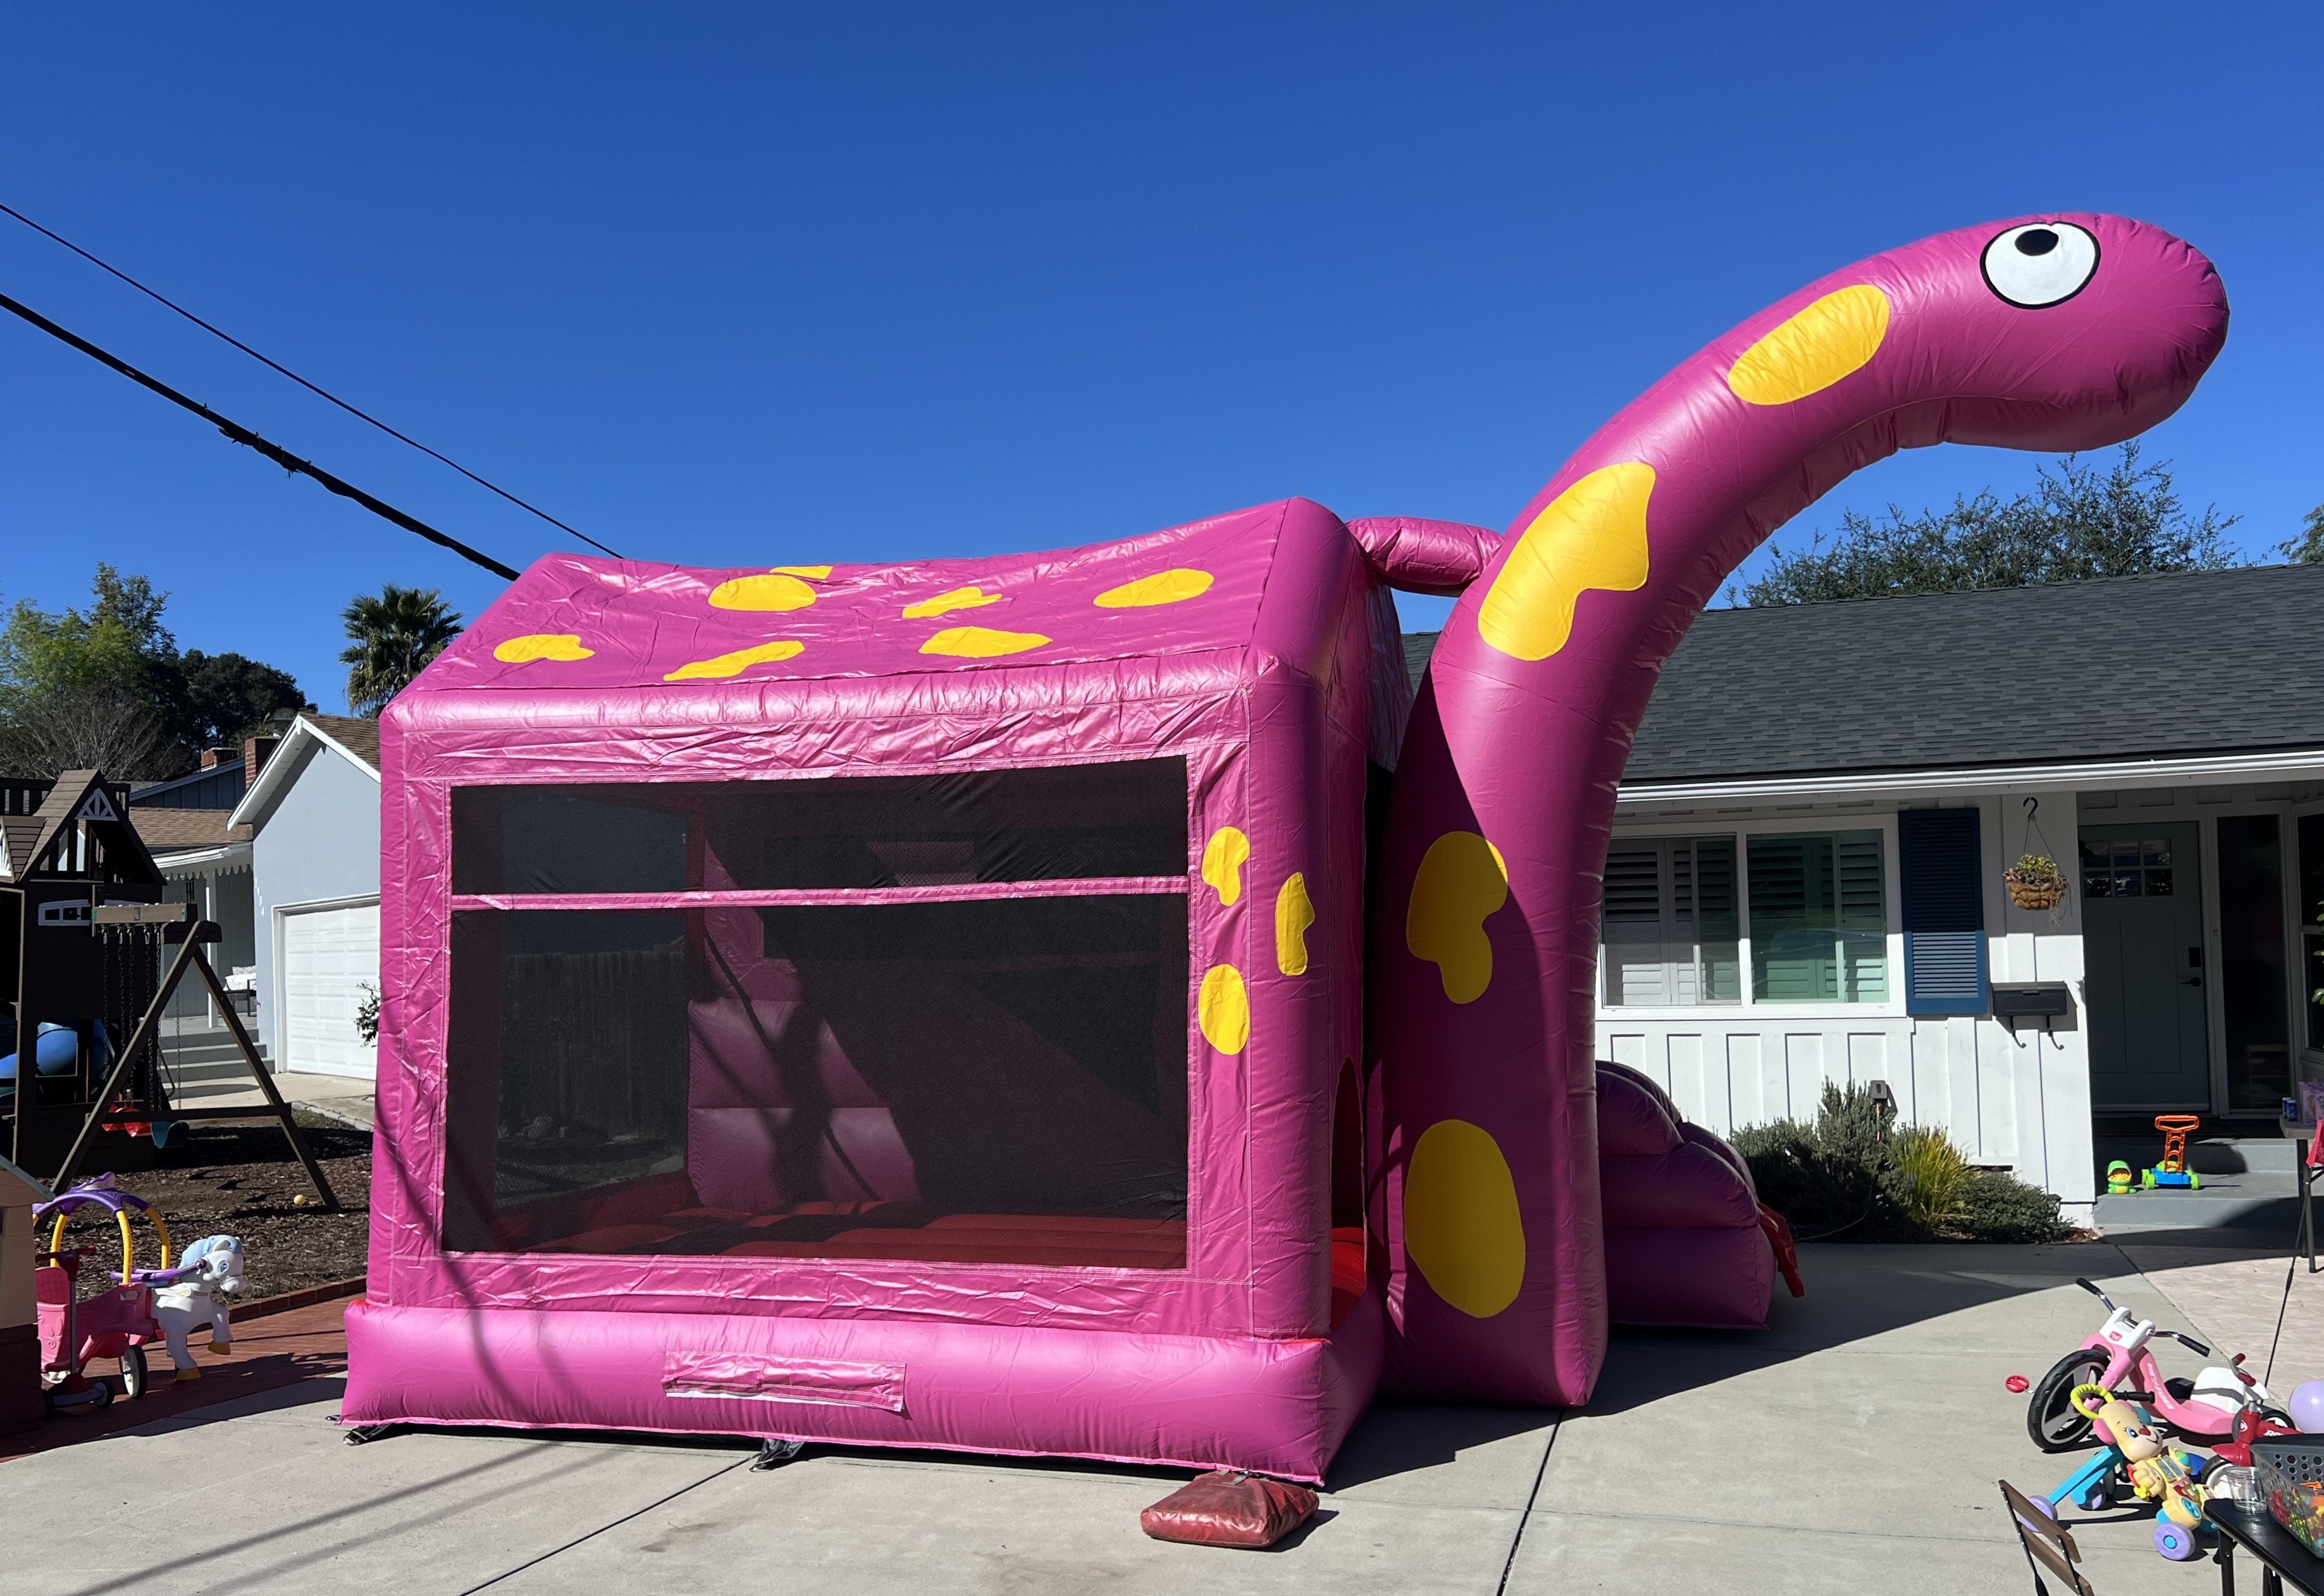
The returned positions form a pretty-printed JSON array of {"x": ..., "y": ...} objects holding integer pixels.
[{"x": 2202, "y": 1410}]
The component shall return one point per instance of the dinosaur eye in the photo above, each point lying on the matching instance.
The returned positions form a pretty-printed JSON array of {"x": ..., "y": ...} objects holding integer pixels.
[{"x": 2040, "y": 263}]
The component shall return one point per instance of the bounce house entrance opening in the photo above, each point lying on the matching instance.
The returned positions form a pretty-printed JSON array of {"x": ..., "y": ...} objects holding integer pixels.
[{"x": 800, "y": 1019}]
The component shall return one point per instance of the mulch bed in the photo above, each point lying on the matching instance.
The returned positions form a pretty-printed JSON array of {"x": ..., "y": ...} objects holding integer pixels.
[{"x": 239, "y": 1180}]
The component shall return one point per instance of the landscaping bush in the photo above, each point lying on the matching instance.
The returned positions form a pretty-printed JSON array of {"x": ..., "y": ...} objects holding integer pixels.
[
  {"x": 1823, "y": 1187},
  {"x": 1928, "y": 1176},
  {"x": 1849, "y": 1174},
  {"x": 1996, "y": 1207}
]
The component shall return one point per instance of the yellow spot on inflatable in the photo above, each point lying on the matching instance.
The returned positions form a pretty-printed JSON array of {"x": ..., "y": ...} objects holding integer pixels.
[
  {"x": 540, "y": 645},
  {"x": 818, "y": 572},
  {"x": 1224, "y": 1008},
  {"x": 1223, "y": 857},
  {"x": 945, "y": 604},
  {"x": 1460, "y": 1220},
  {"x": 1814, "y": 349},
  {"x": 980, "y": 643},
  {"x": 1164, "y": 588},
  {"x": 1591, "y": 535},
  {"x": 737, "y": 662},
  {"x": 777, "y": 590},
  {"x": 1294, "y": 911},
  {"x": 1463, "y": 879}
]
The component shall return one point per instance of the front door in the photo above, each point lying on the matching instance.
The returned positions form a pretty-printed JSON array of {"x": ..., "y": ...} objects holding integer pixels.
[{"x": 2143, "y": 958}]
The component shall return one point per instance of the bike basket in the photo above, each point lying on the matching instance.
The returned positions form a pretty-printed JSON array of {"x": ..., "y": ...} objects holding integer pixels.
[{"x": 2292, "y": 1477}]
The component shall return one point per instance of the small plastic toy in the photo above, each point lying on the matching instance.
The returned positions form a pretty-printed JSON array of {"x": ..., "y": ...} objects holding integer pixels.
[
  {"x": 2171, "y": 1170},
  {"x": 116, "y": 1324},
  {"x": 2118, "y": 1178},
  {"x": 2158, "y": 1472},
  {"x": 193, "y": 1296}
]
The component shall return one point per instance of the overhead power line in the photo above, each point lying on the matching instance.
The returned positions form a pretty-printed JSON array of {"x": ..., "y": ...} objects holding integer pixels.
[
  {"x": 314, "y": 389},
  {"x": 249, "y": 439}
]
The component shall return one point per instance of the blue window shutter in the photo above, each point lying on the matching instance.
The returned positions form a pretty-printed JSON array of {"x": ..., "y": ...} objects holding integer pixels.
[{"x": 1944, "y": 912}]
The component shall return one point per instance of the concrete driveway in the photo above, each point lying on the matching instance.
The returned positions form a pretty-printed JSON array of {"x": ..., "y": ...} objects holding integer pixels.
[{"x": 1853, "y": 1447}]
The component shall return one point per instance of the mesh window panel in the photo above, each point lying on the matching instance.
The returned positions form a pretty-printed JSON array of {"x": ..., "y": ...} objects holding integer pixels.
[
  {"x": 1060, "y": 823},
  {"x": 567, "y": 1060},
  {"x": 990, "y": 1081}
]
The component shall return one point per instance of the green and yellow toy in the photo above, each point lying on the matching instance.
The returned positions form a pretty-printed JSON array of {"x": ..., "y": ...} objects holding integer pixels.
[{"x": 2118, "y": 1178}]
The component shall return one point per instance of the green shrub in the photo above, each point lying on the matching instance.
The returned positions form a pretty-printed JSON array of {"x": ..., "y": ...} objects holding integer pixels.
[
  {"x": 1852, "y": 1174},
  {"x": 1928, "y": 1177},
  {"x": 1825, "y": 1177},
  {"x": 1996, "y": 1207}
]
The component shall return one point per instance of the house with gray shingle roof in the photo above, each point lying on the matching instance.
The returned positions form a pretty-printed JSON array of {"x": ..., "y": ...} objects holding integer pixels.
[{"x": 1806, "y": 879}]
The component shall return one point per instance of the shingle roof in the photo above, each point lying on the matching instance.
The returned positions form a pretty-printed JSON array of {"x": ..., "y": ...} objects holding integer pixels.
[
  {"x": 167, "y": 831},
  {"x": 2192, "y": 662},
  {"x": 358, "y": 734}
]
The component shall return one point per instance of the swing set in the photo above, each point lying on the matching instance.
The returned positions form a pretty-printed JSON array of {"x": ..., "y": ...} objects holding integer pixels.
[
  {"x": 150, "y": 929},
  {"x": 83, "y": 940}
]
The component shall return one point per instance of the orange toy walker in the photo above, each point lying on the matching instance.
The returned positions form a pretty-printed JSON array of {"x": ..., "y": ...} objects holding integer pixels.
[{"x": 2171, "y": 1169}]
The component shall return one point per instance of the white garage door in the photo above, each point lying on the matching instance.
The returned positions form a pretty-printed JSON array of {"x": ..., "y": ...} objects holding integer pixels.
[{"x": 329, "y": 957}]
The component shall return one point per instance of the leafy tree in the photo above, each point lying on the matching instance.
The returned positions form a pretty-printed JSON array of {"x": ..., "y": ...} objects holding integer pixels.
[
  {"x": 2308, "y": 549},
  {"x": 106, "y": 687},
  {"x": 394, "y": 636},
  {"x": 227, "y": 694},
  {"x": 2077, "y": 524},
  {"x": 95, "y": 687}
]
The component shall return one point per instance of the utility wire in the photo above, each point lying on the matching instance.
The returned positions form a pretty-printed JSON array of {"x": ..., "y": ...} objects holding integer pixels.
[
  {"x": 249, "y": 439},
  {"x": 310, "y": 387}
]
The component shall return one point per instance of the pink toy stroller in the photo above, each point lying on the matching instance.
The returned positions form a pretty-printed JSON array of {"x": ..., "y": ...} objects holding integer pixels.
[{"x": 115, "y": 1323}]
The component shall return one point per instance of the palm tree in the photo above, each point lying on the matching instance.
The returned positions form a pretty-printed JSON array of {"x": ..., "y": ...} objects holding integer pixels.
[{"x": 394, "y": 634}]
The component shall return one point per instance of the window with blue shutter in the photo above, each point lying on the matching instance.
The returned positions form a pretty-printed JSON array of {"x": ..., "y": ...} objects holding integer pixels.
[{"x": 1944, "y": 912}]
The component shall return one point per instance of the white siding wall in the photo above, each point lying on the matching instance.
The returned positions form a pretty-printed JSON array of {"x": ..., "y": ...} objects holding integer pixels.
[{"x": 2023, "y": 1103}]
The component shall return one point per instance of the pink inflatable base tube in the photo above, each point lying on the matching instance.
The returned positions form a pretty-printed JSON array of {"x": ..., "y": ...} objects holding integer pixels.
[{"x": 1279, "y": 1407}]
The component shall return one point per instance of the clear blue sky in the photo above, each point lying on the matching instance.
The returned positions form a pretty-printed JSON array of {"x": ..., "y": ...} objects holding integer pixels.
[{"x": 747, "y": 285}]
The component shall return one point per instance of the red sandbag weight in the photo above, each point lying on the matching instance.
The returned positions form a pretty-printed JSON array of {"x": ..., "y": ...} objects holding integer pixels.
[{"x": 1229, "y": 1508}]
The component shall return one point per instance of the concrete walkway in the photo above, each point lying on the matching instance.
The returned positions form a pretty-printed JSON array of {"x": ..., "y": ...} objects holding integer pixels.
[
  {"x": 346, "y": 1098},
  {"x": 1853, "y": 1447}
]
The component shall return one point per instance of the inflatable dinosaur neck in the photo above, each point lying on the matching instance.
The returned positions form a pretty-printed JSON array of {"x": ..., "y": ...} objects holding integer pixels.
[{"x": 2058, "y": 333}]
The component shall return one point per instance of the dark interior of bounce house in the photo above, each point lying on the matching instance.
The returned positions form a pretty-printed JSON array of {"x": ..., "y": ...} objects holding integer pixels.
[
  {"x": 832, "y": 1080},
  {"x": 993, "y": 1069}
]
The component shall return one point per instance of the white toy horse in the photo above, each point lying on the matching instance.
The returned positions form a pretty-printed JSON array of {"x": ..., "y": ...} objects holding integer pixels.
[{"x": 208, "y": 1269}]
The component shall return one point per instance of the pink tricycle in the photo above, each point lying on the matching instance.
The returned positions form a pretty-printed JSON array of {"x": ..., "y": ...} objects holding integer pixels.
[
  {"x": 2203, "y": 1410},
  {"x": 117, "y": 1322}
]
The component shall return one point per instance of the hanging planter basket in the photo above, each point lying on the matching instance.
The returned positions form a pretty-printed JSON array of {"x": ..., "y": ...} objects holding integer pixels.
[{"x": 2035, "y": 882}]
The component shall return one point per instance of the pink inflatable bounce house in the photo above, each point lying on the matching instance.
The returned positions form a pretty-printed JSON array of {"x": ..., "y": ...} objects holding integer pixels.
[{"x": 1079, "y": 1002}]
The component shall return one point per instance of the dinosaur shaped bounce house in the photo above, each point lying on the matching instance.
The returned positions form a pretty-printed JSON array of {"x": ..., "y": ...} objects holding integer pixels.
[{"x": 1079, "y": 1002}]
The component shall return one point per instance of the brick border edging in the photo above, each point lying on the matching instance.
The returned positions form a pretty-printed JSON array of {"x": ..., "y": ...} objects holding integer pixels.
[{"x": 283, "y": 1302}]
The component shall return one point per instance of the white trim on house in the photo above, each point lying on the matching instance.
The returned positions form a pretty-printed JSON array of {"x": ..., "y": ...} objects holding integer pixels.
[
  {"x": 2094, "y": 776},
  {"x": 282, "y": 768},
  {"x": 219, "y": 860},
  {"x": 279, "y": 996}
]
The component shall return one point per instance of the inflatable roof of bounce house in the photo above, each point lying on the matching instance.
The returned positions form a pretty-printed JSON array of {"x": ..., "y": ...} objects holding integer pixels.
[{"x": 1077, "y": 1002}]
